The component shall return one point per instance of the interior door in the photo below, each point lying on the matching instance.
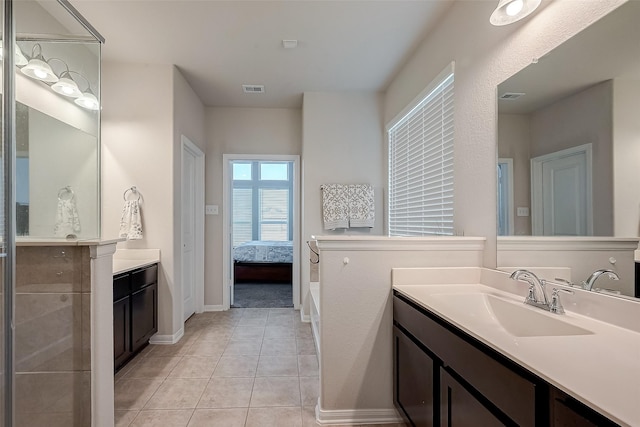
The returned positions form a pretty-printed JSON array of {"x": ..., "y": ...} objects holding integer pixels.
[
  {"x": 562, "y": 194},
  {"x": 188, "y": 231}
]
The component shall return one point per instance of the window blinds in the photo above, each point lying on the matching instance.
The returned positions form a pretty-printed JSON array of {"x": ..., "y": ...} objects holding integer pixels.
[{"x": 421, "y": 166}]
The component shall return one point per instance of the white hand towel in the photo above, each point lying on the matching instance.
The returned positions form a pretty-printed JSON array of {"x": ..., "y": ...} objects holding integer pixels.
[
  {"x": 335, "y": 208},
  {"x": 67, "y": 219},
  {"x": 361, "y": 206},
  {"x": 131, "y": 222}
]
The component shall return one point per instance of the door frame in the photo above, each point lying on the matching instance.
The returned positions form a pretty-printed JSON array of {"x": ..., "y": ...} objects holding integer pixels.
[
  {"x": 509, "y": 189},
  {"x": 227, "y": 217},
  {"x": 537, "y": 205},
  {"x": 198, "y": 295}
]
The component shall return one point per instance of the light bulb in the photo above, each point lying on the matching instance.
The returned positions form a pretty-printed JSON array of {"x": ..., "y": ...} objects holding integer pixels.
[
  {"x": 40, "y": 73},
  {"x": 514, "y": 7},
  {"x": 67, "y": 90}
]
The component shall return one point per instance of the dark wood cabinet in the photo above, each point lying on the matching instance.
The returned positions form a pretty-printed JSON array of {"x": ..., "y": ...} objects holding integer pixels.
[
  {"x": 444, "y": 377},
  {"x": 135, "y": 312}
]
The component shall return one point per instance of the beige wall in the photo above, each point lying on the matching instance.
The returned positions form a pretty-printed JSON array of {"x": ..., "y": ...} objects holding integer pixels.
[
  {"x": 342, "y": 143},
  {"x": 239, "y": 131},
  {"x": 484, "y": 56},
  {"x": 626, "y": 157},
  {"x": 145, "y": 110}
]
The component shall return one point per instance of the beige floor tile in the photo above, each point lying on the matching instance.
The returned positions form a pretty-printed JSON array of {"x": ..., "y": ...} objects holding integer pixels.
[
  {"x": 194, "y": 367},
  {"x": 178, "y": 349},
  {"x": 164, "y": 418},
  {"x": 218, "y": 334},
  {"x": 274, "y": 417},
  {"x": 234, "y": 417},
  {"x": 280, "y": 321},
  {"x": 306, "y": 346},
  {"x": 308, "y": 365},
  {"x": 255, "y": 312},
  {"x": 237, "y": 347},
  {"x": 277, "y": 366},
  {"x": 133, "y": 393},
  {"x": 252, "y": 321},
  {"x": 227, "y": 393},
  {"x": 236, "y": 366},
  {"x": 309, "y": 389},
  {"x": 304, "y": 332},
  {"x": 275, "y": 391},
  {"x": 248, "y": 332},
  {"x": 278, "y": 332},
  {"x": 278, "y": 347},
  {"x": 124, "y": 418},
  {"x": 153, "y": 367},
  {"x": 126, "y": 368},
  {"x": 177, "y": 393},
  {"x": 207, "y": 348},
  {"x": 309, "y": 416}
]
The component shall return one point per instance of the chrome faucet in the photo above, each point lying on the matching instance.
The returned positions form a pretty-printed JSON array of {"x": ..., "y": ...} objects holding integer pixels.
[
  {"x": 588, "y": 284},
  {"x": 537, "y": 295}
]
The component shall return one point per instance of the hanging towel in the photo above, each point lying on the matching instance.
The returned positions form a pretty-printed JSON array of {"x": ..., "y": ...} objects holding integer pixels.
[
  {"x": 361, "y": 205},
  {"x": 335, "y": 208},
  {"x": 130, "y": 223},
  {"x": 67, "y": 220}
]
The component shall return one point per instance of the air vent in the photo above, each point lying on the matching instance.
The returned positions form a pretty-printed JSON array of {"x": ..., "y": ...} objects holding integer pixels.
[
  {"x": 510, "y": 96},
  {"x": 253, "y": 88}
]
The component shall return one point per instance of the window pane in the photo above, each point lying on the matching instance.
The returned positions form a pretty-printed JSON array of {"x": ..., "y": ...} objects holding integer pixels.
[
  {"x": 274, "y": 171},
  {"x": 242, "y": 216},
  {"x": 242, "y": 171},
  {"x": 274, "y": 214}
]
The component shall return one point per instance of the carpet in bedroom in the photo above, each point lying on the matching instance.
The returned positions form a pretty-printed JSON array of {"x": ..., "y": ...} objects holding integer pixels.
[{"x": 260, "y": 295}]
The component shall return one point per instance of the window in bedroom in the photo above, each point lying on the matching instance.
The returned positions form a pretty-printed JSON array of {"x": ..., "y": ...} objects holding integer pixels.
[
  {"x": 262, "y": 201},
  {"x": 421, "y": 163}
]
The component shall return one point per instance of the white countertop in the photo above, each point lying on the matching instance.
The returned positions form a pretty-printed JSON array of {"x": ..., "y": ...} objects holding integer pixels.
[
  {"x": 601, "y": 369},
  {"x": 130, "y": 259}
]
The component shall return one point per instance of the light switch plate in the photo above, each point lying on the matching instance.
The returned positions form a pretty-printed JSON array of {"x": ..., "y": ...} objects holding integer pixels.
[
  {"x": 522, "y": 212},
  {"x": 211, "y": 210}
]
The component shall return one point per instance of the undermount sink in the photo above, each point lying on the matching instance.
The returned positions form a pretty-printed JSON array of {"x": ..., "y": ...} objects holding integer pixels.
[{"x": 516, "y": 318}]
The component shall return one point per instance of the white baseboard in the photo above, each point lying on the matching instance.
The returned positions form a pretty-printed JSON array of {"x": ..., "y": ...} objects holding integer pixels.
[
  {"x": 357, "y": 416},
  {"x": 304, "y": 317},
  {"x": 167, "y": 339},
  {"x": 213, "y": 308}
]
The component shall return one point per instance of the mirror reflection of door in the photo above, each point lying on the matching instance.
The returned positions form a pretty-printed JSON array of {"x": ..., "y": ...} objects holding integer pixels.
[
  {"x": 505, "y": 197},
  {"x": 561, "y": 193}
]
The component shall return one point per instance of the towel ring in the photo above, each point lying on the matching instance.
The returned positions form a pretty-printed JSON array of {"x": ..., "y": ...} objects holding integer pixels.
[
  {"x": 66, "y": 190},
  {"x": 133, "y": 190}
]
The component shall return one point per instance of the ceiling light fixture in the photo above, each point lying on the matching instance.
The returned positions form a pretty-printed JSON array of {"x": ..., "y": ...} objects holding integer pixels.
[
  {"x": 289, "y": 44},
  {"x": 38, "y": 68},
  {"x": 510, "y": 11}
]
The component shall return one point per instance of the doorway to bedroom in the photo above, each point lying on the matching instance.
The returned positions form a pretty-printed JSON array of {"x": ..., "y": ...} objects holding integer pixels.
[{"x": 261, "y": 207}]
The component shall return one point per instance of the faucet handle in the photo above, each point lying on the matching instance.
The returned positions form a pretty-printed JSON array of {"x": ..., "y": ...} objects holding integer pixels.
[{"x": 556, "y": 306}]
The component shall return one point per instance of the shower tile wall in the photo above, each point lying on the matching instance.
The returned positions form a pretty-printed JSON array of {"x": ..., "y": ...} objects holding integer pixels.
[{"x": 53, "y": 341}]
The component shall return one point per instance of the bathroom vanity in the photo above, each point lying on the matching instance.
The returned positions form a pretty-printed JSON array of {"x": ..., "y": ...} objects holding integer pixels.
[{"x": 470, "y": 354}]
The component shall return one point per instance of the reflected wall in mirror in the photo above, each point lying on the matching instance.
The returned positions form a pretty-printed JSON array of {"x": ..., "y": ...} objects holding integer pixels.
[
  {"x": 568, "y": 155},
  {"x": 576, "y": 120}
]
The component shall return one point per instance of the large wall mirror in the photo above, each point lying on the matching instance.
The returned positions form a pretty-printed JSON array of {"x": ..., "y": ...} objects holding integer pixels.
[{"x": 569, "y": 136}]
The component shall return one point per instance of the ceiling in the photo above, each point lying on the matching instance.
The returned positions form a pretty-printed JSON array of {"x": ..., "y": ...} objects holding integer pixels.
[
  {"x": 610, "y": 48},
  {"x": 345, "y": 45}
]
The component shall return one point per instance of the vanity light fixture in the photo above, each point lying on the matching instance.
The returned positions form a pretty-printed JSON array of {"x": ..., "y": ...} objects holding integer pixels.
[
  {"x": 19, "y": 56},
  {"x": 88, "y": 100},
  {"x": 65, "y": 85},
  {"x": 510, "y": 11},
  {"x": 38, "y": 68}
]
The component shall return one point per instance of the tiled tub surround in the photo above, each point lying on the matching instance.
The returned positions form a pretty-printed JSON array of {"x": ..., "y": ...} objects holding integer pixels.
[
  {"x": 599, "y": 369},
  {"x": 55, "y": 384}
]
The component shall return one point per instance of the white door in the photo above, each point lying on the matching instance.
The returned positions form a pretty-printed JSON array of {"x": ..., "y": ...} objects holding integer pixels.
[
  {"x": 562, "y": 194},
  {"x": 188, "y": 231}
]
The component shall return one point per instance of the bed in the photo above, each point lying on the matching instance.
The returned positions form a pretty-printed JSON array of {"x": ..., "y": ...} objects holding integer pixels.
[{"x": 263, "y": 261}]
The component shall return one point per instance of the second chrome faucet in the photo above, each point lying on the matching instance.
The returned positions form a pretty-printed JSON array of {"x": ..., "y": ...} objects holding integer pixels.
[{"x": 537, "y": 295}]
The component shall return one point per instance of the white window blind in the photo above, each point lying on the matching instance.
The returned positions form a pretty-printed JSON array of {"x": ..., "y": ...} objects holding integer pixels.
[{"x": 421, "y": 165}]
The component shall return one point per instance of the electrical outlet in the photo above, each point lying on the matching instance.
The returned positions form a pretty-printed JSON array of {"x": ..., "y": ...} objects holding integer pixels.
[
  {"x": 211, "y": 210},
  {"x": 522, "y": 212}
]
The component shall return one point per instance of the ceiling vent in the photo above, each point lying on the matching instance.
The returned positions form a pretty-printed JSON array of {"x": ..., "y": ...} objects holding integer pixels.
[
  {"x": 510, "y": 96},
  {"x": 253, "y": 88}
]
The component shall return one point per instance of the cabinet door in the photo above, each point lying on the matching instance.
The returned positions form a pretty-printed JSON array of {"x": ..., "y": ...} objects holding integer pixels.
[
  {"x": 459, "y": 408},
  {"x": 413, "y": 381},
  {"x": 144, "y": 316},
  {"x": 121, "y": 328}
]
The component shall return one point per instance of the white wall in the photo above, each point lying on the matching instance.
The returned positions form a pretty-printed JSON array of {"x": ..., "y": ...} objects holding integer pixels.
[
  {"x": 239, "y": 131},
  {"x": 626, "y": 157},
  {"x": 145, "y": 110},
  {"x": 342, "y": 143},
  {"x": 484, "y": 56}
]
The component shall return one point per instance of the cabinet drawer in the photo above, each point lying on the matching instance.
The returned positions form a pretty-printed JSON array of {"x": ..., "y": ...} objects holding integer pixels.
[
  {"x": 510, "y": 392},
  {"x": 144, "y": 277},
  {"x": 121, "y": 286}
]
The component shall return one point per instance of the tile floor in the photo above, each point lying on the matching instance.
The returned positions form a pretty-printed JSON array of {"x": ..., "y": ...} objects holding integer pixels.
[{"x": 243, "y": 367}]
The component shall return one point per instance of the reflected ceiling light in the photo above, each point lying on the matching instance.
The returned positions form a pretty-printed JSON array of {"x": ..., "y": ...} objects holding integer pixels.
[
  {"x": 66, "y": 85},
  {"x": 88, "y": 100},
  {"x": 19, "y": 56},
  {"x": 510, "y": 11},
  {"x": 38, "y": 68}
]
